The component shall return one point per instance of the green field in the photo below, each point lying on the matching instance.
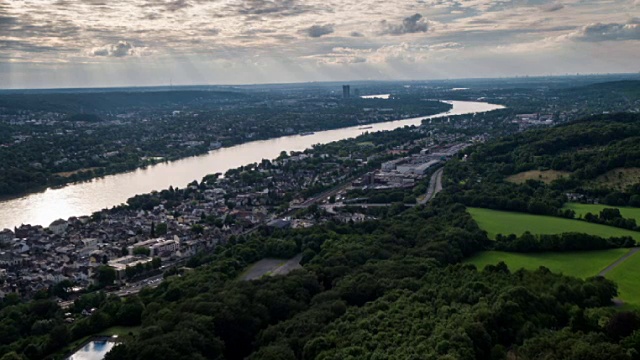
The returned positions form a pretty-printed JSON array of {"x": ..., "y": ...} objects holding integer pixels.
[
  {"x": 582, "y": 264},
  {"x": 504, "y": 222},
  {"x": 582, "y": 209},
  {"x": 627, "y": 276}
]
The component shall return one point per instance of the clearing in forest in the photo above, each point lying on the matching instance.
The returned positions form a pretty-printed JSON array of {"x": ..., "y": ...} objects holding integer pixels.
[
  {"x": 270, "y": 267},
  {"x": 546, "y": 176},
  {"x": 618, "y": 179}
]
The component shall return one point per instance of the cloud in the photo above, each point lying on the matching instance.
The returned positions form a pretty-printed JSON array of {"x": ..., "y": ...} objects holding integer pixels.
[
  {"x": 272, "y": 7},
  {"x": 171, "y": 6},
  {"x": 316, "y": 31},
  {"x": 356, "y": 34},
  {"x": 412, "y": 24},
  {"x": 608, "y": 32},
  {"x": 343, "y": 56},
  {"x": 121, "y": 49},
  {"x": 397, "y": 53},
  {"x": 552, "y": 7}
]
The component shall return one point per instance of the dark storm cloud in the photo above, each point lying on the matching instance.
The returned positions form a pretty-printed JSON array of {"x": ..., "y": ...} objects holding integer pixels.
[
  {"x": 412, "y": 24},
  {"x": 316, "y": 31},
  {"x": 609, "y": 32}
]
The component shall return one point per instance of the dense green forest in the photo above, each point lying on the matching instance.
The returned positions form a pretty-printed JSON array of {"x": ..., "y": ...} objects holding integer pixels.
[{"x": 584, "y": 151}]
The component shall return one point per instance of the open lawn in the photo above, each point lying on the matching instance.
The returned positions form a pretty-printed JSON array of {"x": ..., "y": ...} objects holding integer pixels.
[
  {"x": 582, "y": 264},
  {"x": 618, "y": 179},
  {"x": 504, "y": 222},
  {"x": 546, "y": 176},
  {"x": 582, "y": 209},
  {"x": 627, "y": 276},
  {"x": 271, "y": 267}
]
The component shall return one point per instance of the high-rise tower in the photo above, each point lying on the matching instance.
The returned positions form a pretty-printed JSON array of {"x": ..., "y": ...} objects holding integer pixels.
[{"x": 346, "y": 91}]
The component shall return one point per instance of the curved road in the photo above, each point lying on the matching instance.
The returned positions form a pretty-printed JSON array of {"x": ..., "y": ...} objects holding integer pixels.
[{"x": 435, "y": 186}]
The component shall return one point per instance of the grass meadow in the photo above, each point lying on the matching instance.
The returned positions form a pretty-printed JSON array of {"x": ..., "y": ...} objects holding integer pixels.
[
  {"x": 582, "y": 209},
  {"x": 581, "y": 264},
  {"x": 505, "y": 222}
]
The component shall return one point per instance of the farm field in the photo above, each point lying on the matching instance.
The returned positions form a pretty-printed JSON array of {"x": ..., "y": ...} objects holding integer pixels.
[
  {"x": 582, "y": 209},
  {"x": 504, "y": 222},
  {"x": 582, "y": 264},
  {"x": 546, "y": 176},
  {"x": 627, "y": 276}
]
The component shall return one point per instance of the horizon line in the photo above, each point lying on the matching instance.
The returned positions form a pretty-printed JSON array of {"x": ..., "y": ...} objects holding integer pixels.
[{"x": 321, "y": 82}]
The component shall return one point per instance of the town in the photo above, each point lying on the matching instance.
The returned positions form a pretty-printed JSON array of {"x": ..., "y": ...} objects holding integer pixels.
[{"x": 122, "y": 248}]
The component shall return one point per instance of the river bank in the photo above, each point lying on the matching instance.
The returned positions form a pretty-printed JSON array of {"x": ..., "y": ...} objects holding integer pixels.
[{"x": 87, "y": 197}]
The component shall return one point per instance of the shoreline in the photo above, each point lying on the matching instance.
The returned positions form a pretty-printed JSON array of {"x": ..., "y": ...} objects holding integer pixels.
[
  {"x": 114, "y": 190},
  {"x": 44, "y": 188}
]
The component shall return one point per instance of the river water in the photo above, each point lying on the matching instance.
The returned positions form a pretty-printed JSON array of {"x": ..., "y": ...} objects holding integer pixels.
[{"x": 85, "y": 198}]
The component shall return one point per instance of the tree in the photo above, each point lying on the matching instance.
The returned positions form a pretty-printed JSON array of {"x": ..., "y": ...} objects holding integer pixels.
[
  {"x": 106, "y": 275},
  {"x": 197, "y": 228},
  {"x": 141, "y": 250},
  {"x": 161, "y": 229},
  {"x": 11, "y": 356},
  {"x": 62, "y": 288}
]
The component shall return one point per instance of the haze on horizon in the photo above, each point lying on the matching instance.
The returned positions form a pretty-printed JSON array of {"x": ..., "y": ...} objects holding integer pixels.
[{"x": 95, "y": 43}]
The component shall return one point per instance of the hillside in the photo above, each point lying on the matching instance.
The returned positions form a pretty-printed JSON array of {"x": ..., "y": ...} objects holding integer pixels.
[{"x": 495, "y": 176}]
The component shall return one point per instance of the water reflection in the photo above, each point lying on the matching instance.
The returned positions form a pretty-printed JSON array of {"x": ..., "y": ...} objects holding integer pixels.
[{"x": 84, "y": 198}]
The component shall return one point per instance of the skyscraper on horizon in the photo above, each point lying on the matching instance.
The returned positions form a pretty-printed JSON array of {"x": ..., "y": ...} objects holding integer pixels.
[{"x": 346, "y": 91}]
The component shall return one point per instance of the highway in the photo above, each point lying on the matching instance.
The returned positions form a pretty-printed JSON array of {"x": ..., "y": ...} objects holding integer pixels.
[{"x": 435, "y": 186}]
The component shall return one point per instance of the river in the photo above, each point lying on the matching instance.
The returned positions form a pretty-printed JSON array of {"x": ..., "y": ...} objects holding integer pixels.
[{"x": 42, "y": 208}]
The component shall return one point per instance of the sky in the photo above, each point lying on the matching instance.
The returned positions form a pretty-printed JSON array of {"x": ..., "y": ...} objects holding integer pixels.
[{"x": 104, "y": 43}]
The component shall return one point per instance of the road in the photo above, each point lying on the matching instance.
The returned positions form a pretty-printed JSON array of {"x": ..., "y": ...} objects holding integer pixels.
[
  {"x": 619, "y": 261},
  {"x": 435, "y": 186},
  {"x": 324, "y": 195}
]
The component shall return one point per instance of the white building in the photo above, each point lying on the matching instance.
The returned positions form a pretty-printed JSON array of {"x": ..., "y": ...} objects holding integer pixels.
[{"x": 59, "y": 226}]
